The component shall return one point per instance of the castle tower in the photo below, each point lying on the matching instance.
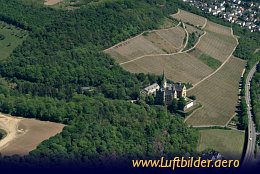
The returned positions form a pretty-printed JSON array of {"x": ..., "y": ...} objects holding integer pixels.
[
  {"x": 184, "y": 91},
  {"x": 164, "y": 82}
]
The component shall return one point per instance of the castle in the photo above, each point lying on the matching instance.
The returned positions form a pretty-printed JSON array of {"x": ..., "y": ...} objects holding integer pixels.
[{"x": 165, "y": 93}]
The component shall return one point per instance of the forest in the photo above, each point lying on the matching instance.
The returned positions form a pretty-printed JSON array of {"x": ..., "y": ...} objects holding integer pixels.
[{"x": 44, "y": 77}]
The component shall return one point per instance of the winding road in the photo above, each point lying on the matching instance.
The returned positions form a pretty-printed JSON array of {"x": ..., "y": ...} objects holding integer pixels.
[{"x": 249, "y": 155}]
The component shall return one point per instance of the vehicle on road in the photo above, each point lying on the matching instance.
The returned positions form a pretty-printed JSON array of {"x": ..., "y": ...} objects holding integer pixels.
[{"x": 250, "y": 139}]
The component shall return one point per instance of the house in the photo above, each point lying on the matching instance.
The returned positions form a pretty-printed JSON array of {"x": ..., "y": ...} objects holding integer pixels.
[{"x": 151, "y": 90}]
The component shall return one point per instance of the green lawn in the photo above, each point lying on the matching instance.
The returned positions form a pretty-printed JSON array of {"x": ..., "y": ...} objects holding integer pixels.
[
  {"x": 10, "y": 38},
  {"x": 210, "y": 61},
  {"x": 228, "y": 142}
]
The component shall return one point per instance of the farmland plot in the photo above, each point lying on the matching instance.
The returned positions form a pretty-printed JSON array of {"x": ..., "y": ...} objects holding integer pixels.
[
  {"x": 190, "y": 18},
  {"x": 160, "y": 42},
  {"x": 228, "y": 142},
  {"x": 175, "y": 36},
  {"x": 217, "y": 45},
  {"x": 179, "y": 67},
  {"x": 156, "y": 42},
  {"x": 218, "y": 42},
  {"x": 218, "y": 95}
]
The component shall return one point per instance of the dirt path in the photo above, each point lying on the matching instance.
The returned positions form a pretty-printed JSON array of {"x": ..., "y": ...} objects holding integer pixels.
[
  {"x": 10, "y": 125},
  {"x": 196, "y": 43},
  {"x": 206, "y": 21},
  {"x": 179, "y": 52},
  {"x": 258, "y": 49},
  {"x": 187, "y": 38},
  {"x": 51, "y": 2}
]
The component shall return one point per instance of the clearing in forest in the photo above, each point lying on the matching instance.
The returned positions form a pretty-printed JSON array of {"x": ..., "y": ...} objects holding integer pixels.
[
  {"x": 10, "y": 38},
  {"x": 208, "y": 65},
  {"x": 206, "y": 49},
  {"x": 24, "y": 135}
]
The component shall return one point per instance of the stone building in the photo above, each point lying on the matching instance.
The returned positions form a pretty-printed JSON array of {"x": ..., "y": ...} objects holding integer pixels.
[{"x": 168, "y": 91}]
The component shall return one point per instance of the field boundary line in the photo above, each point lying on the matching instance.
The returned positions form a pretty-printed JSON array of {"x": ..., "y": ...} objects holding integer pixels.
[
  {"x": 256, "y": 50},
  {"x": 149, "y": 55},
  {"x": 231, "y": 119},
  {"x": 205, "y": 24},
  {"x": 141, "y": 35},
  {"x": 196, "y": 43},
  {"x": 171, "y": 54},
  {"x": 187, "y": 38},
  {"x": 207, "y": 126},
  {"x": 193, "y": 113},
  {"x": 205, "y": 78}
]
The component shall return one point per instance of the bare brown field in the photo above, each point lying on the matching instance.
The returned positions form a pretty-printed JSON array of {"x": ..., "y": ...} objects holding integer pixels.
[
  {"x": 179, "y": 67},
  {"x": 218, "y": 95},
  {"x": 216, "y": 28},
  {"x": 133, "y": 48},
  {"x": 156, "y": 42},
  {"x": 191, "y": 18},
  {"x": 175, "y": 36},
  {"x": 51, "y": 2},
  {"x": 24, "y": 135},
  {"x": 160, "y": 42}
]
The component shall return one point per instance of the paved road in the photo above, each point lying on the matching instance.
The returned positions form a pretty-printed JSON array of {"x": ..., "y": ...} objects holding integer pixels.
[{"x": 249, "y": 156}]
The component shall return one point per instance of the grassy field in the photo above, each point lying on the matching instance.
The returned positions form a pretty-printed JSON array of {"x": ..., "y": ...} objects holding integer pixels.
[
  {"x": 228, "y": 142},
  {"x": 180, "y": 67},
  {"x": 218, "y": 95},
  {"x": 208, "y": 60},
  {"x": 12, "y": 37},
  {"x": 190, "y": 18}
]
